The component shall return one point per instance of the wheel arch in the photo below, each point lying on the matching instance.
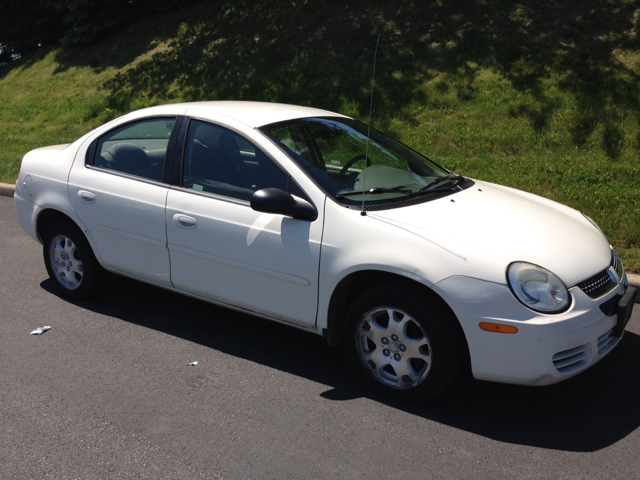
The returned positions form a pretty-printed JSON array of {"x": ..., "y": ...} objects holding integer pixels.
[
  {"x": 354, "y": 284},
  {"x": 49, "y": 217}
]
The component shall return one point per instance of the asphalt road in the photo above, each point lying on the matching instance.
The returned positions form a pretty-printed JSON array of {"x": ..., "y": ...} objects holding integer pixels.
[{"x": 108, "y": 393}]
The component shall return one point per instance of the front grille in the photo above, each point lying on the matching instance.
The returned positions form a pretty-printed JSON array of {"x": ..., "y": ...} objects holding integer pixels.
[
  {"x": 598, "y": 285},
  {"x": 610, "y": 307},
  {"x": 571, "y": 360},
  {"x": 606, "y": 342},
  {"x": 605, "y": 281}
]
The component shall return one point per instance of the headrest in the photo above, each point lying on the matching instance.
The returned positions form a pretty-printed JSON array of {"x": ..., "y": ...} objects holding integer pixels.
[
  {"x": 129, "y": 154},
  {"x": 208, "y": 135}
]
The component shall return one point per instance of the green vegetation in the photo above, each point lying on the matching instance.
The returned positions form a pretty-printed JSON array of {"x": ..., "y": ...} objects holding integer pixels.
[{"x": 539, "y": 95}]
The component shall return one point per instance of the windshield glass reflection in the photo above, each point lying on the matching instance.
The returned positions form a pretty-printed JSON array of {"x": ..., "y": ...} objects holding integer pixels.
[{"x": 334, "y": 152}]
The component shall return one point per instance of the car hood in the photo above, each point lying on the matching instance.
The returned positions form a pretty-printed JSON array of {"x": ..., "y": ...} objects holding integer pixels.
[{"x": 489, "y": 226}]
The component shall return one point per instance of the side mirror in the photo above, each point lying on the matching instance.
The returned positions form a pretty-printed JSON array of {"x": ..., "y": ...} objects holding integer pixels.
[{"x": 274, "y": 200}]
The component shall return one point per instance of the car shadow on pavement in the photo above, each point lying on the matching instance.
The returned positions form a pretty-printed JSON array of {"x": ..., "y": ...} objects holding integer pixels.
[{"x": 586, "y": 413}]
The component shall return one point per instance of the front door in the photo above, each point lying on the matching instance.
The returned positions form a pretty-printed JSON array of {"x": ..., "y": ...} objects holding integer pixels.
[{"x": 223, "y": 250}]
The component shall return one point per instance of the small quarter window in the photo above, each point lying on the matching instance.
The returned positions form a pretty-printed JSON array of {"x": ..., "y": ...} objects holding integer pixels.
[{"x": 136, "y": 148}]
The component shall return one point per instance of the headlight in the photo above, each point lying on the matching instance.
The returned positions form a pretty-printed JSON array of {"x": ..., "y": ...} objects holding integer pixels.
[
  {"x": 616, "y": 263},
  {"x": 537, "y": 288}
]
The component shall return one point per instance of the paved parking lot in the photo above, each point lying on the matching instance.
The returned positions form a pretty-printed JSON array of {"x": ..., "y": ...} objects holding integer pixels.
[{"x": 108, "y": 393}]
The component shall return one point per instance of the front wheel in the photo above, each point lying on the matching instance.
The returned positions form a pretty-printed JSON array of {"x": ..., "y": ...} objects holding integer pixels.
[
  {"x": 403, "y": 342},
  {"x": 70, "y": 262}
]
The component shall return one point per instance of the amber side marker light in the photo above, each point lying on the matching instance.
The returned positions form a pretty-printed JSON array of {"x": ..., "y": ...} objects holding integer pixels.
[{"x": 498, "y": 327}]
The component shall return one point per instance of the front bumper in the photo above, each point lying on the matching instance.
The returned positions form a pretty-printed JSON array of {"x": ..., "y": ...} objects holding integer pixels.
[{"x": 546, "y": 349}]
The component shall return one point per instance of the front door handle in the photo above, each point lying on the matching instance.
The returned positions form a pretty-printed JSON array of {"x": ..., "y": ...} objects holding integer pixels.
[
  {"x": 86, "y": 197},
  {"x": 184, "y": 221}
]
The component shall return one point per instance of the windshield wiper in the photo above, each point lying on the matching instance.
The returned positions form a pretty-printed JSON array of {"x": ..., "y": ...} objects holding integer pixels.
[
  {"x": 377, "y": 190},
  {"x": 454, "y": 177}
]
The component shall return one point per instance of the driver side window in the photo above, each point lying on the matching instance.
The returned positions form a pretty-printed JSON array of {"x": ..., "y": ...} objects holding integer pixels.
[{"x": 222, "y": 162}]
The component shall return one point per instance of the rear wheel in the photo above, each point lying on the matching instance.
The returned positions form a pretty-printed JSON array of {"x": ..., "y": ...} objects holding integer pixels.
[
  {"x": 70, "y": 262},
  {"x": 403, "y": 342}
]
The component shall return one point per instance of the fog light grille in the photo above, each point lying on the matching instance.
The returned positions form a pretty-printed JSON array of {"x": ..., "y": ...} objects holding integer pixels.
[
  {"x": 571, "y": 360},
  {"x": 610, "y": 307},
  {"x": 606, "y": 342}
]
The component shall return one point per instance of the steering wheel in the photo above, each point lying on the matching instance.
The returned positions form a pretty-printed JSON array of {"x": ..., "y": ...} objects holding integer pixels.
[{"x": 352, "y": 161}]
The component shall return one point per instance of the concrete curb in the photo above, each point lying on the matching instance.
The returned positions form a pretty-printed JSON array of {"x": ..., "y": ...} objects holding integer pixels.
[{"x": 7, "y": 190}]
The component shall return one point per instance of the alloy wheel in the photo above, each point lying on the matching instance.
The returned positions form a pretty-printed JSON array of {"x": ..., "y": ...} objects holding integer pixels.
[
  {"x": 393, "y": 347},
  {"x": 65, "y": 262}
]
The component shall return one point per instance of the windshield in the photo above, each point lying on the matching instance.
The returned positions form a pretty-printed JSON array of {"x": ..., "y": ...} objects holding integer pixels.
[{"x": 334, "y": 152}]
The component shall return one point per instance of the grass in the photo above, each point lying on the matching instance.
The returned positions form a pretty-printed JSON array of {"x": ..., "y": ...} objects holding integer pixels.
[{"x": 538, "y": 95}]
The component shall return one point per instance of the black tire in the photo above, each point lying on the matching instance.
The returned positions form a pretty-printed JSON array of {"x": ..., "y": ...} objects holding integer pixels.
[
  {"x": 70, "y": 262},
  {"x": 404, "y": 342}
]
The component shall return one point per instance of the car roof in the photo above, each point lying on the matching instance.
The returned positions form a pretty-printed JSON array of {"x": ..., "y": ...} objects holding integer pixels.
[{"x": 253, "y": 114}]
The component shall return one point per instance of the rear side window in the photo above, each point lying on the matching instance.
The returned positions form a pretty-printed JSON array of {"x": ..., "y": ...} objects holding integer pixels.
[{"x": 137, "y": 148}]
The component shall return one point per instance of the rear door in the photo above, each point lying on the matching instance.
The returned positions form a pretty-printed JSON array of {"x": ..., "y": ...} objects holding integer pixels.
[{"x": 120, "y": 196}]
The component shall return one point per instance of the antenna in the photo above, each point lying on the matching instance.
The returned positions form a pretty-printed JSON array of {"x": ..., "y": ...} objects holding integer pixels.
[{"x": 366, "y": 154}]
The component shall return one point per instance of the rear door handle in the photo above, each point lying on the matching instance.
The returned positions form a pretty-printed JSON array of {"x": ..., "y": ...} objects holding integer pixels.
[
  {"x": 86, "y": 197},
  {"x": 184, "y": 221}
]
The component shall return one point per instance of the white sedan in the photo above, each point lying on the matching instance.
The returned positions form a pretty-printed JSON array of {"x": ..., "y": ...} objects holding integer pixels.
[{"x": 302, "y": 216}]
